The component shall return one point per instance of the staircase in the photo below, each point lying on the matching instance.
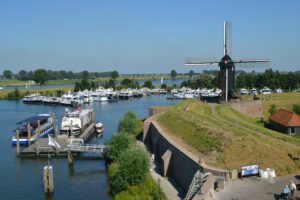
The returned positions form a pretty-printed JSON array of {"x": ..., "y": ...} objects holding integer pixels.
[{"x": 198, "y": 180}]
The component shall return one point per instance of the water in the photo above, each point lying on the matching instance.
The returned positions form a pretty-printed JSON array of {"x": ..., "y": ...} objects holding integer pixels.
[
  {"x": 21, "y": 178},
  {"x": 38, "y": 87},
  {"x": 141, "y": 82}
]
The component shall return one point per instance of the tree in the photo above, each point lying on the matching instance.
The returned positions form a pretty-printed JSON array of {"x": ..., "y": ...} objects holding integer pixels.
[
  {"x": 163, "y": 86},
  {"x": 296, "y": 108},
  {"x": 128, "y": 123},
  {"x": 23, "y": 75},
  {"x": 191, "y": 73},
  {"x": 148, "y": 84},
  {"x": 116, "y": 145},
  {"x": 127, "y": 82},
  {"x": 114, "y": 74},
  {"x": 173, "y": 74},
  {"x": 133, "y": 166},
  {"x": 272, "y": 109},
  {"x": 8, "y": 74},
  {"x": 40, "y": 76},
  {"x": 70, "y": 75},
  {"x": 85, "y": 75}
]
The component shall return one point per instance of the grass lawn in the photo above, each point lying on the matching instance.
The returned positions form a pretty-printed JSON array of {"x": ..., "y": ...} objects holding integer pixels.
[{"x": 228, "y": 139}]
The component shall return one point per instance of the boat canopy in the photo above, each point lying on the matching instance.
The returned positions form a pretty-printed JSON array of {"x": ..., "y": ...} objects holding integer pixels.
[{"x": 34, "y": 120}]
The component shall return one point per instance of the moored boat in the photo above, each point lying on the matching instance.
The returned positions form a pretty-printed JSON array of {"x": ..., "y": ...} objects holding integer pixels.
[
  {"x": 42, "y": 123},
  {"x": 75, "y": 122},
  {"x": 99, "y": 128}
]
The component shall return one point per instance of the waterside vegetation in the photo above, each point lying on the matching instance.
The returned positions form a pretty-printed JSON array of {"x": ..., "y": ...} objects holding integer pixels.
[{"x": 128, "y": 171}]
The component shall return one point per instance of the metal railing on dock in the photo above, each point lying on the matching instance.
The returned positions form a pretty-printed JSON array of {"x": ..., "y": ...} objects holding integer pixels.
[{"x": 89, "y": 148}]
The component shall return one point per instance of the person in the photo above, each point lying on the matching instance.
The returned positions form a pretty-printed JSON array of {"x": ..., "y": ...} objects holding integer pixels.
[
  {"x": 285, "y": 192},
  {"x": 293, "y": 188},
  {"x": 187, "y": 107}
]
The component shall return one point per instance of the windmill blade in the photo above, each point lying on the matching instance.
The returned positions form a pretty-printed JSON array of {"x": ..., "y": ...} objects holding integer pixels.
[
  {"x": 252, "y": 61},
  {"x": 252, "y": 64},
  {"x": 201, "y": 61},
  {"x": 227, "y": 43}
]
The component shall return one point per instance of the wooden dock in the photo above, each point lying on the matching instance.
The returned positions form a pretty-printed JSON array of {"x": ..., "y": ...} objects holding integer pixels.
[{"x": 41, "y": 148}]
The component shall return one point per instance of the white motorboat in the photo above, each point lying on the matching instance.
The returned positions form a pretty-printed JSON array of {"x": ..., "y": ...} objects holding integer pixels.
[
  {"x": 74, "y": 122},
  {"x": 33, "y": 98},
  {"x": 99, "y": 128}
]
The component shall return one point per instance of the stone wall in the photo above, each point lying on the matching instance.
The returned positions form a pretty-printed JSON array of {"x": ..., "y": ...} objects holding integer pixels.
[
  {"x": 249, "y": 108},
  {"x": 175, "y": 161},
  {"x": 157, "y": 110}
]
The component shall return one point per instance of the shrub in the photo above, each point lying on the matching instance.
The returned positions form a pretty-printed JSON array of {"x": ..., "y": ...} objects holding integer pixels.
[
  {"x": 116, "y": 145},
  {"x": 128, "y": 123},
  {"x": 133, "y": 165},
  {"x": 296, "y": 108}
]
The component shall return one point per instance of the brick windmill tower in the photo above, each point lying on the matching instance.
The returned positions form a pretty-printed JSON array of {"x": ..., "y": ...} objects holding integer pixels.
[{"x": 227, "y": 65}]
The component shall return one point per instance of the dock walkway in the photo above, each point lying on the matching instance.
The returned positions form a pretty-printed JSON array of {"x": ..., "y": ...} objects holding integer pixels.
[{"x": 41, "y": 147}]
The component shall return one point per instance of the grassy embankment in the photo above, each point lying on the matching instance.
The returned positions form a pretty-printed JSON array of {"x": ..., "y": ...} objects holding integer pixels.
[
  {"x": 224, "y": 138},
  {"x": 102, "y": 79}
]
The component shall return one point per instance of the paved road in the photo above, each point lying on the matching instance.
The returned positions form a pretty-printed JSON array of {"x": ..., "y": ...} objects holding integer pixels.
[{"x": 255, "y": 188}]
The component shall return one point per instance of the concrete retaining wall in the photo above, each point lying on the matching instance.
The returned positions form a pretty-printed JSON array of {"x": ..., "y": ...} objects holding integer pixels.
[{"x": 182, "y": 164}]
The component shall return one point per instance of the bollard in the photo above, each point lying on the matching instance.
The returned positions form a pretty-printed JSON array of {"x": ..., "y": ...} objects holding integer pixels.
[
  {"x": 18, "y": 142},
  {"x": 48, "y": 179},
  {"x": 70, "y": 156},
  {"x": 29, "y": 134}
]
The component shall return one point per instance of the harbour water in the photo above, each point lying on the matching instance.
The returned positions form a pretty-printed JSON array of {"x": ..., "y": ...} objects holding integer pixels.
[{"x": 21, "y": 178}]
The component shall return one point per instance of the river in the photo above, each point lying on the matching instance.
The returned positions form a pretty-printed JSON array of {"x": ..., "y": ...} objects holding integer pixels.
[{"x": 21, "y": 178}]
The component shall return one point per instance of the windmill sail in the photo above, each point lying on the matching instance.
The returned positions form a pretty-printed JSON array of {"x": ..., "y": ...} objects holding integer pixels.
[{"x": 227, "y": 65}]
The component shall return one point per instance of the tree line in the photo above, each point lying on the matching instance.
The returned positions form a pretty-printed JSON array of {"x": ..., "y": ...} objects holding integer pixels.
[
  {"x": 269, "y": 78},
  {"x": 24, "y": 75}
]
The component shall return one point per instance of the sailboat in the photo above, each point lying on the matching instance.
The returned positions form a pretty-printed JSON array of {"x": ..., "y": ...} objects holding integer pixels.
[{"x": 162, "y": 80}]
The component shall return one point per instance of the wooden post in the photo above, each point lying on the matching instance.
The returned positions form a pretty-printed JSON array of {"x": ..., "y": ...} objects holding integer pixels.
[
  {"x": 37, "y": 137},
  {"x": 70, "y": 156},
  {"x": 48, "y": 179},
  {"x": 71, "y": 134},
  {"x": 29, "y": 134},
  {"x": 54, "y": 125},
  {"x": 18, "y": 141},
  {"x": 93, "y": 116}
]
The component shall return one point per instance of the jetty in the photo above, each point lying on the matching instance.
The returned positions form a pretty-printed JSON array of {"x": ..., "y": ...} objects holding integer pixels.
[{"x": 68, "y": 145}]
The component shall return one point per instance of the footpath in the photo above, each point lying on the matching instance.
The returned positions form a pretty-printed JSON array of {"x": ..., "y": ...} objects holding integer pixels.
[{"x": 170, "y": 190}]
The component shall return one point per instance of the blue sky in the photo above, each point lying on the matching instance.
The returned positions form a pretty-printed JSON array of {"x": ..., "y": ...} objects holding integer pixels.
[{"x": 135, "y": 36}]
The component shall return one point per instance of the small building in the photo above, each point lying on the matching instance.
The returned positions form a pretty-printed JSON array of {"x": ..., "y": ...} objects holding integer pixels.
[{"x": 286, "y": 122}]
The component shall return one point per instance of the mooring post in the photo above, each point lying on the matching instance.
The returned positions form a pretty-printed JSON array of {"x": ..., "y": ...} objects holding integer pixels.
[
  {"x": 18, "y": 141},
  {"x": 29, "y": 134},
  {"x": 37, "y": 137},
  {"x": 93, "y": 116},
  {"x": 48, "y": 179},
  {"x": 70, "y": 156}
]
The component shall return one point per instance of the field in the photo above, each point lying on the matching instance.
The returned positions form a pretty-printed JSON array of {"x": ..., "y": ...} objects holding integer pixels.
[
  {"x": 225, "y": 138},
  {"x": 283, "y": 100},
  {"x": 102, "y": 79}
]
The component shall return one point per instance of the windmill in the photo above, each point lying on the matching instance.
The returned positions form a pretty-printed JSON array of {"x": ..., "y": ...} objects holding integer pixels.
[{"x": 227, "y": 65}]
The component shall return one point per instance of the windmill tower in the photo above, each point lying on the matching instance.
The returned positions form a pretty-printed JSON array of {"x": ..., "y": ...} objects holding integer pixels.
[{"x": 226, "y": 65}]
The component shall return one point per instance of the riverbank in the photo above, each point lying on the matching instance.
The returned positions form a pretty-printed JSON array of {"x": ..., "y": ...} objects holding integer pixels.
[
  {"x": 14, "y": 83},
  {"x": 19, "y": 94}
]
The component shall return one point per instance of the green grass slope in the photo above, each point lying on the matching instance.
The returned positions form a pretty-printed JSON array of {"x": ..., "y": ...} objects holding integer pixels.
[{"x": 224, "y": 138}]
